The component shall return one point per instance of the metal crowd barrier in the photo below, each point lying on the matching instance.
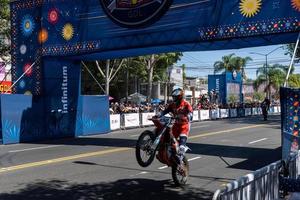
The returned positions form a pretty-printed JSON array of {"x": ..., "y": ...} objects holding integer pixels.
[
  {"x": 133, "y": 120},
  {"x": 263, "y": 184}
]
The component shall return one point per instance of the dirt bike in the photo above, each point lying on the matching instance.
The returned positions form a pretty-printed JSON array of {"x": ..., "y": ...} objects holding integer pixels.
[{"x": 162, "y": 143}]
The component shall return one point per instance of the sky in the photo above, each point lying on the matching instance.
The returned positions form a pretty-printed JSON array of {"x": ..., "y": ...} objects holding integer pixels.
[{"x": 204, "y": 60}]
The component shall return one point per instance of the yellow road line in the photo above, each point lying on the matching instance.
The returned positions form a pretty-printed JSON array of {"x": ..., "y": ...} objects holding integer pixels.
[
  {"x": 103, "y": 152},
  {"x": 226, "y": 131},
  {"x": 57, "y": 160}
]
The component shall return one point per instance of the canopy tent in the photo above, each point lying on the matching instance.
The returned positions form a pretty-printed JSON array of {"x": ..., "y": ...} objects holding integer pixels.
[{"x": 135, "y": 98}]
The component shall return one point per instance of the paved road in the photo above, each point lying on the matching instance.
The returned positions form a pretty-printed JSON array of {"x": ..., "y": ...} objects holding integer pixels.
[{"x": 104, "y": 167}]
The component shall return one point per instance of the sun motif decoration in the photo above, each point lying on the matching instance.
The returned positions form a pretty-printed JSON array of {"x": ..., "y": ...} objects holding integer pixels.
[
  {"x": 53, "y": 16},
  {"x": 43, "y": 36},
  {"x": 296, "y": 4},
  {"x": 27, "y": 25},
  {"x": 68, "y": 31},
  {"x": 249, "y": 8}
]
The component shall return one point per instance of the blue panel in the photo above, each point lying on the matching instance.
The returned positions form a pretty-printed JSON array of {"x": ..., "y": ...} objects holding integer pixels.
[
  {"x": 61, "y": 85},
  {"x": 217, "y": 83},
  {"x": 93, "y": 115},
  {"x": 85, "y": 27},
  {"x": 14, "y": 109},
  {"x": 290, "y": 113}
]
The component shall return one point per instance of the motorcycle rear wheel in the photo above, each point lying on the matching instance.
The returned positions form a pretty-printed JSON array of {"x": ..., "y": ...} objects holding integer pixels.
[
  {"x": 143, "y": 152},
  {"x": 180, "y": 174}
]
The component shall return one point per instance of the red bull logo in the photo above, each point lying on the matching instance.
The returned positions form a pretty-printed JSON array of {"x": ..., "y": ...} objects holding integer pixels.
[{"x": 135, "y": 13}]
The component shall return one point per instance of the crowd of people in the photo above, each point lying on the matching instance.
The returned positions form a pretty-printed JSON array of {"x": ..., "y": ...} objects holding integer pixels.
[{"x": 203, "y": 104}]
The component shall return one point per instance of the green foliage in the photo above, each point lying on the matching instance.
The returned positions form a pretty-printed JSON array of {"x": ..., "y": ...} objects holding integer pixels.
[
  {"x": 4, "y": 28},
  {"x": 290, "y": 50},
  {"x": 294, "y": 80},
  {"x": 272, "y": 76},
  {"x": 232, "y": 63},
  {"x": 258, "y": 96},
  {"x": 232, "y": 99},
  {"x": 134, "y": 69}
]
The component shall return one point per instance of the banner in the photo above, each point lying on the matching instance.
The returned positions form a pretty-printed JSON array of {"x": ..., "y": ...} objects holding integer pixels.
[
  {"x": 290, "y": 113},
  {"x": 115, "y": 122},
  {"x": 233, "y": 113},
  {"x": 13, "y": 118},
  {"x": 204, "y": 115},
  {"x": 92, "y": 115},
  {"x": 272, "y": 110},
  {"x": 131, "y": 120},
  {"x": 224, "y": 113},
  {"x": 248, "y": 111},
  {"x": 196, "y": 115},
  {"x": 214, "y": 114},
  {"x": 146, "y": 117},
  {"x": 254, "y": 111},
  {"x": 276, "y": 109},
  {"x": 259, "y": 111}
]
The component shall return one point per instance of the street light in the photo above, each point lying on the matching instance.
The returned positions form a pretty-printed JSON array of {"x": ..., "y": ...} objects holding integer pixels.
[{"x": 266, "y": 66}]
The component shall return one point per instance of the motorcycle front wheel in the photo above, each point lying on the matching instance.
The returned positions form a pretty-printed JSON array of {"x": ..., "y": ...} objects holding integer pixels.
[
  {"x": 143, "y": 151},
  {"x": 180, "y": 174}
]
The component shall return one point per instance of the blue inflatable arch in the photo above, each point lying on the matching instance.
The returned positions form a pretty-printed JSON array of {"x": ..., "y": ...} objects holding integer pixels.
[{"x": 53, "y": 36}]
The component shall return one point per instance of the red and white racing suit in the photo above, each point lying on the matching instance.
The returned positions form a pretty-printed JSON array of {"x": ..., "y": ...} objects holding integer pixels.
[{"x": 183, "y": 112}]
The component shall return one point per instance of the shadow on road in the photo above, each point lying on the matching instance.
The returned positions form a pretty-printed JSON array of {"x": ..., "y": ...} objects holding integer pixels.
[
  {"x": 126, "y": 189},
  {"x": 255, "y": 158},
  {"x": 273, "y": 120}
]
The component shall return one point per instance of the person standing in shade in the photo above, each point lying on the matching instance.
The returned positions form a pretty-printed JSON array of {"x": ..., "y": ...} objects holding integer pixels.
[{"x": 265, "y": 105}]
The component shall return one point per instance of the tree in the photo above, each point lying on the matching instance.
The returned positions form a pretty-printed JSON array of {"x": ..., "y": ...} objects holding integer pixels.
[
  {"x": 232, "y": 63},
  {"x": 232, "y": 99},
  {"x": 290, "y": 50},
  {"x": 162, "y": 61},
  {"x": 4, "y": 29},
  {"x": 271, "y": 77},
  {"x": 239, "y": 64},
  {"x": 294, "y": 80},
  {"x": 258, "y": 96},
  {"x": 224, "y": 64}
]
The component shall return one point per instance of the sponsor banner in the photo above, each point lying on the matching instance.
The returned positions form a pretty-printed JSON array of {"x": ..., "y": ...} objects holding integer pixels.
[
  {"x": 233, "y": 112},
  {"x": 196, "y": 115},
  {"x": 5, "y": 87},
  {"x": 131, "y": 120},
  {"x": 115, "y": 122},
  {"x": 241, "y": 112},
  {"x": 204, "y": 114},
  {"x": 146, "y": 117},
  {"x": 224, "y": 113},
  {"x": 259, "y": 111},
  {"x": 254, "y": 111},
  {"x": 272, "y": 110},
  {"x": 248, "y": 111},
  {"x": 214, "y": 114}
]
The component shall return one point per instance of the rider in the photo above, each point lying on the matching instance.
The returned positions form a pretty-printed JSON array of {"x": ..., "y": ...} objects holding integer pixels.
[{"x": 183, "y": 112}]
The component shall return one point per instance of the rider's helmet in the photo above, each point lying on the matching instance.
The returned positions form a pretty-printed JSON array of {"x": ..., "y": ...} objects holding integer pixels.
[{"x": 177, "y": 95}]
